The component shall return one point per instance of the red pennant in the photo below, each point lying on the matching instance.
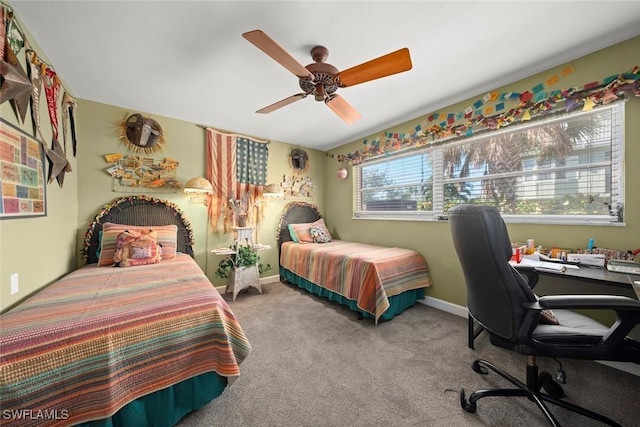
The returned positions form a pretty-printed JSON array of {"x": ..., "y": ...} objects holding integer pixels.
[{"x": 526, "y": 96}]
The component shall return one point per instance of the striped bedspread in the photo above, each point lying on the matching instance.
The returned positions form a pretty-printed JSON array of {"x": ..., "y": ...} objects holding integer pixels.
[
  {"x": 367, "y": 274},
  {"x": 100, "y": 337}
]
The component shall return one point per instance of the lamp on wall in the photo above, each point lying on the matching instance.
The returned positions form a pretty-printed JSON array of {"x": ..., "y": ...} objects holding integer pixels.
[
  {"x": 273, "y": 190},
  {"x": 198, "y": 189}
]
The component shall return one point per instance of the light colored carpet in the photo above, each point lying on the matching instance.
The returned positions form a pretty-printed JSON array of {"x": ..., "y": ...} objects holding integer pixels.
[{"x": 313, "y": 363}]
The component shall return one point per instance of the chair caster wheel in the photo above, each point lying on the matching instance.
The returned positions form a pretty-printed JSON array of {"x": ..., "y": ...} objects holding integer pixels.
[
  {"x": 479, "y": 368},
  {"x": 553, "y": 389},
  {"x": 466, "y": 405}
]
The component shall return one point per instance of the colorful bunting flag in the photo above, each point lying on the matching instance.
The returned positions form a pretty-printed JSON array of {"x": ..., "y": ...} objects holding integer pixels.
[{"x": 531, "y": 103}]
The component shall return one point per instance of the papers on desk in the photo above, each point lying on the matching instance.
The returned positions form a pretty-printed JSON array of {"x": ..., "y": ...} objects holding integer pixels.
[{"x": 532, "y": 262}]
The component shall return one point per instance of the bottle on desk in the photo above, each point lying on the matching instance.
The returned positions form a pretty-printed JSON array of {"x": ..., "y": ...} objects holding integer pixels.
[{"x": 531, "y": 248}]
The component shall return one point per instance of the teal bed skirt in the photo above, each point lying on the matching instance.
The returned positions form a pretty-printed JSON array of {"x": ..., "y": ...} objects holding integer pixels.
[
  {"x": 398, "y": 303},
  {"x": 167, "y": 406}
]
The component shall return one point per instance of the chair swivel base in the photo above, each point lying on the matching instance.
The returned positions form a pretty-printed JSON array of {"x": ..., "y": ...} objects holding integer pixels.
[{"x": 531, "y": 390}]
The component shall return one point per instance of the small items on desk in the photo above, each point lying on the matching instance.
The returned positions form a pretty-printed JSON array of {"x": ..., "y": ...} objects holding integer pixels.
[
  {"x": 596, "y": 260},
  {"x": 537, "y": 263},
  {"x": 622, "y": 266}
]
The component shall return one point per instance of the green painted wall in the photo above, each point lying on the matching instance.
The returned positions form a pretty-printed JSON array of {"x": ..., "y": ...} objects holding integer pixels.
[
  {"x": 184, "y": 142},
  {"x": 39, "y": 249},
  {"x": 433, "y": 239}
]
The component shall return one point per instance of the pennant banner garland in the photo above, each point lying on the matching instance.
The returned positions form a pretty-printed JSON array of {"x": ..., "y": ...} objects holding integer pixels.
[
  {"x": 481, "y": 116},
  {"x": 22, "y": 88}
]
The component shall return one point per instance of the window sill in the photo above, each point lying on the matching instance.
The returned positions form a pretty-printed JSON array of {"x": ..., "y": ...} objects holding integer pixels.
[{"x": 507, "y": 219}]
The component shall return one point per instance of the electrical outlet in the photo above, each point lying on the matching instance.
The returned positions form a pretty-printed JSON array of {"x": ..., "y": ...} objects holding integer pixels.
[{"x": 14, "y": 283}]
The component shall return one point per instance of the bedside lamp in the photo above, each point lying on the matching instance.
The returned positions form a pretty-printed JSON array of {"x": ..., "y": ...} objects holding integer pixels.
[{"x": 198, "y": 189}]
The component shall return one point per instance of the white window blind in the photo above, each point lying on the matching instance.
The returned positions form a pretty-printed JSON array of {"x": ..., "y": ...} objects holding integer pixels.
[{"x": 561, "y": 169}]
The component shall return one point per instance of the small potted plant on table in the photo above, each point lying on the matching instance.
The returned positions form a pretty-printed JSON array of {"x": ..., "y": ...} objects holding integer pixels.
[{"x": 242, "y": 268}]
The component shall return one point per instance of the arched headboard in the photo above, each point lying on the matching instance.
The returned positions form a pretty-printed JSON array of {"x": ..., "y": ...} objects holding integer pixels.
[
  {"x": 138, "y": 210},
  {"x": 295, "y": 213}
]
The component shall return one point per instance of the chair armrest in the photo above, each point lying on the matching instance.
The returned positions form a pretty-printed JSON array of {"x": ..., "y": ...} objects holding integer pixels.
[
  {"x": 605, "y": 302},
  {"x": 627, "y": 312}
]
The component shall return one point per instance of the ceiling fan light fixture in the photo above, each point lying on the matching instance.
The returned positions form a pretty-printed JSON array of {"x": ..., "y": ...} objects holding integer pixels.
[{"x": 319, "y": 92}]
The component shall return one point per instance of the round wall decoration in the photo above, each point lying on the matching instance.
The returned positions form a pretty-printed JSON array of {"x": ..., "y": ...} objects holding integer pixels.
[
  {"x": 299, "y": 160},
  {"x": 141, "y": 134},
  {"x": 342, "y": 173}
]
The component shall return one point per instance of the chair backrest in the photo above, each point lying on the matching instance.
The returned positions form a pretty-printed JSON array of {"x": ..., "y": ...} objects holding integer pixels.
[{"x": 495, "y": 290}]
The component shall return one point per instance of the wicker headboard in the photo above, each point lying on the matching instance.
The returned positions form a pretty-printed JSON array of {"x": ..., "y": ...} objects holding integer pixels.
[
  {"x": 295, "y": 213},
  {"x": 138, "y": 210}
]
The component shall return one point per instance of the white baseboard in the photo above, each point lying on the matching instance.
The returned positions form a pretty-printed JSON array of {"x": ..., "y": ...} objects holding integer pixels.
[
  {"x": 270, "y": 279},
  {"x": 263, "y": 281},
  {"x": 458, "y": 310},
  {"x": 449, "y": 307}
]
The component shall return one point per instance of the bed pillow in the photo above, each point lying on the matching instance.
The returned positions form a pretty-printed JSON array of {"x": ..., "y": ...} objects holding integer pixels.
[
  {"x": 167, "y": 238},
  {"x": 292, "y": 233},
  {"x": 302, "y": 232},
  {"x": 318, "y": 235}
]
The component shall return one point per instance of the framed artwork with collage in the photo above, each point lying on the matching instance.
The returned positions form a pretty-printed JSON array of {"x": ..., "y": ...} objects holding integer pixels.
[{"x": 22, "y": 174}]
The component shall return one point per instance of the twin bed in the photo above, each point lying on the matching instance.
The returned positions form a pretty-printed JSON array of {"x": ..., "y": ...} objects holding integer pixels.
[
  {"x": 109, "y": 346},
  {"x": 375, "y": 281}
]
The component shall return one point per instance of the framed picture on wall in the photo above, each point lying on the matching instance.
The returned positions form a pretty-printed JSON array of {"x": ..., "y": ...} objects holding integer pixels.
[{"x": 22, "y": 174}]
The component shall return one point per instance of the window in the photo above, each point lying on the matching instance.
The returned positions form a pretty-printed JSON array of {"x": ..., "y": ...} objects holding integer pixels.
[{"x": 561, "y": 169}]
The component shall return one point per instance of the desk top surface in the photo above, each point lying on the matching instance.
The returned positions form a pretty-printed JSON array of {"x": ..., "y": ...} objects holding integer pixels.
[{"x": 590, "y": 274}]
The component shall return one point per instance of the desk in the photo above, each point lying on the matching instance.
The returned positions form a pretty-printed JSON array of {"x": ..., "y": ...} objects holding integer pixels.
[{"x": 584, "y": 273}]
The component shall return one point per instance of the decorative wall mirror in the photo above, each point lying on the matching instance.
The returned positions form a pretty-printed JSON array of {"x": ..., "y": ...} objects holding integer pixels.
[
  {"x": 141, "y": 134},
  {"x": 299, "y": 160}
]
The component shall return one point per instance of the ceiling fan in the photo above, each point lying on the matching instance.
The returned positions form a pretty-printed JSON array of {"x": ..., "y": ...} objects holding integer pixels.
[{"x": 321, "y": 79}]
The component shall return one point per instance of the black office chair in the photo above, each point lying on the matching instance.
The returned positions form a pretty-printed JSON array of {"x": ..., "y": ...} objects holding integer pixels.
[{"x": 500, "y": 300}]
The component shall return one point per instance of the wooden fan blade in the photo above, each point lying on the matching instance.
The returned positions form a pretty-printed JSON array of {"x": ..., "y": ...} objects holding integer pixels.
[
  {"x": 282, "y": 103},
  {"x": 392, "y": 63},
  {"x": 342, "y": 108},
  {"x": 274, "y": 50}
]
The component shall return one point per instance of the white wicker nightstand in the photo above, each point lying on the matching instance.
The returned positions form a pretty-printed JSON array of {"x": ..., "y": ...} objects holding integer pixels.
[{"x": 242, "y": 277}]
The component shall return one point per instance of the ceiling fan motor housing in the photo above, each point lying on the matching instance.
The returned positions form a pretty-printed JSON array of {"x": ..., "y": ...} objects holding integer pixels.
[{"x": 324, "y": 83}]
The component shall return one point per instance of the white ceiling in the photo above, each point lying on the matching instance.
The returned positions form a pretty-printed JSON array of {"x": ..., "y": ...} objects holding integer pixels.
[{"x": 187, "y": 59}]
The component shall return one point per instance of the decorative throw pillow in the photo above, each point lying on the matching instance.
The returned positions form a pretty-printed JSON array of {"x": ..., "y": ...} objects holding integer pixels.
[
  {"x": 137, "y": 248},
  {"x": 166, "y": 237},
  {"x": 318, "y": 235},
  {"x": 321, "y": 225}
]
